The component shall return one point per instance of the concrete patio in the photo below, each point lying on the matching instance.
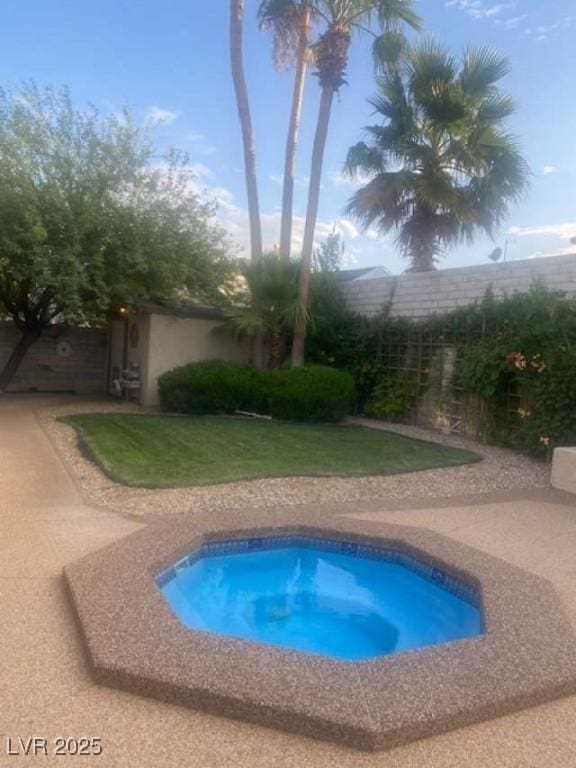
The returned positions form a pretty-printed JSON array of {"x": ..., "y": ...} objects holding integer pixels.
[{"x": 46, "y": 521}]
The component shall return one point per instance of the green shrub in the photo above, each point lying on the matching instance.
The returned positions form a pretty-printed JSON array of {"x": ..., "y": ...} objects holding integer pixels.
[
  {"x": 311, "y": 393},
  {"x": 482, "y": 369},
  {"x": 213, "y": 386},
  {"x": 391, "y": 399}
]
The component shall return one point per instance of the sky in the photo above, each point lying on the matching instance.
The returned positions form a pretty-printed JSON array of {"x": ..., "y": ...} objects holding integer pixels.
[{"x": 169, "y": 62}]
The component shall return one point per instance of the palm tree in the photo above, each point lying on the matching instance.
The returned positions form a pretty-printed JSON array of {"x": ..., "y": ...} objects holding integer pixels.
[
  {"x": 342, "y": 18},
  {"x": 441, "y": 165},
  {"x": 236, "y": 60},
  {"x": 290, "y": 22},
  {"x": 268, "y": 309}
]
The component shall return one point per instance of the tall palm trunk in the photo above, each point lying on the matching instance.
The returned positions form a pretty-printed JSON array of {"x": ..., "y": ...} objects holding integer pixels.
[
  {"x": 236, "y": 24},
  {"x": 292, "y": 139},
  {"x": 299, "y": 342}
]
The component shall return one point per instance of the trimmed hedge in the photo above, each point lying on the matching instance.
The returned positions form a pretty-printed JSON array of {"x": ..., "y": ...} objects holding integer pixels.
[
  {"x": 212, "y": 386},
  {"x": 309, "y": 393}
]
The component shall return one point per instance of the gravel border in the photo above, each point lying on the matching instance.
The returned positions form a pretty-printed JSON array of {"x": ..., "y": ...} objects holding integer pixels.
[{"x": 500, "y": 470}]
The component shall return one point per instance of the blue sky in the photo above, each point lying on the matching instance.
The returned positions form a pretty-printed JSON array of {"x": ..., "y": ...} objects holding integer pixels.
[{"x": 169, "y": 62}]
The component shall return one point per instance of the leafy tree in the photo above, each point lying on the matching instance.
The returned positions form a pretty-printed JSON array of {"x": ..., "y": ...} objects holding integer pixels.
[
  {"x": 290, "y": 22},
  {"x": 441, "y": 165},
  {"x": 269, "y": 305},
  {"x": 87, "y": 221},
  {"x": 341, "y": 18},
  {"x": 329, "y": 254}
]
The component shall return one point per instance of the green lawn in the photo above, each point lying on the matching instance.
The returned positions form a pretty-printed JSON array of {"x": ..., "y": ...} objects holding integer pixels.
[{"x": 169, "y": 451}]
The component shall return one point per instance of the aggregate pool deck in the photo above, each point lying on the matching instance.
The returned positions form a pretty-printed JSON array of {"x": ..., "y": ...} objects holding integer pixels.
[
  {"x": 47, "y": 520},
  {"x": 526, "y": 655}
]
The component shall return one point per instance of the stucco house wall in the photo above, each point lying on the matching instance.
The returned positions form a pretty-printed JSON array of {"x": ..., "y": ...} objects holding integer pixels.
[
  {"x": 153, "y": 341},
  {"x": 174, "y": 341}
]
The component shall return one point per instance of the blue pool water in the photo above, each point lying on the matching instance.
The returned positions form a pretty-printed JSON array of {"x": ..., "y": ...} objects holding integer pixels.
[{"x": 310, "y": 598}]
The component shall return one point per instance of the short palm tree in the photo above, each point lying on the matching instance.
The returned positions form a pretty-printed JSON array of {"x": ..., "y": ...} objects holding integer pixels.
[
  {"x": 268, "y": 308},
  {"x": 290, "y": 22},
  {"x": 441, "y": 165},
  {"x": 340, "y": 19}
]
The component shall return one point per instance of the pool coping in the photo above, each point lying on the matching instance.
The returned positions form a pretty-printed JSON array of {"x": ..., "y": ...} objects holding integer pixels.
[{"x": 133, "y": 641}]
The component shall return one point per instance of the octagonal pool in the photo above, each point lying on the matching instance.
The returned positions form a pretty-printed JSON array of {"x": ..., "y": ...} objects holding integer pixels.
[{"x": 334, "y": 598}]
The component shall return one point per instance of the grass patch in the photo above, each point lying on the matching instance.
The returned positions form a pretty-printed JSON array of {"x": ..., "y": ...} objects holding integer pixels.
[{"x": 168, "y": 451}]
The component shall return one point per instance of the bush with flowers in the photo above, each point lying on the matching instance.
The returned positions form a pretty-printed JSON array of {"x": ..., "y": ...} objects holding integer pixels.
[{"x": 532, "y": 354}]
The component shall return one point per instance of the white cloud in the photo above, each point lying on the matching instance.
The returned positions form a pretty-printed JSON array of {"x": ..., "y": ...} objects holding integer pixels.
[
  {"x": 234, "y": 219},
  {"x": 569, "y": 251},
  {"x": 159, "y": 116},
  {"x": 542, "y": 32},
  {"x": 200, "y": 144},
  {"x": 513, "y": 22},
  {"x": 340, "y": 179},
  {"x": 299, "y": 181},
  {"x": 478, "y": 9},
  {"x": 549, "y": 169},
  {"x": 271, "y": 229},
  {"x": 564, "y": 231},
  {"x": 505, "y": 14},
  {"x": 346, "y": 228},
  {"x": 351, "y": 257},
  {"x": 201, "y": 171}
]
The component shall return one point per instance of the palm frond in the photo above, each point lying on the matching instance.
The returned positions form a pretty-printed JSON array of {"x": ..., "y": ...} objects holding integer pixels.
[
  {"x": 430, "y": 63},
  {"x": 289, "y": 21},
  {"x": 442, "y": 102},
  {"x": 295, "y": 315},
  {"x": 386, "y": 137},
  {"x": 244, "y": 321},
  {"x": 391, "y": 87},
  {"x": 388, "y": 49},
  {"x": 270, "y": 11},
  {"x": 391, "y": 13},
  {"x": 437, "y": 191},
  {"x": 363, "y": 160},
  {"x": 495, "y": 108},
  {"x": 382, "y": 200},
  {"x": 482, "y": 68},
  {"x": 391, "y": 102},
  {"x": 496, "y": 139}
]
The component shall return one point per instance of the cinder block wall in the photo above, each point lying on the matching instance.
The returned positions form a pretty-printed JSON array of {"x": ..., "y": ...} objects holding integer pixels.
[
  {"x": 420, "y": 295},
  {"x": 63, "y": 360}
]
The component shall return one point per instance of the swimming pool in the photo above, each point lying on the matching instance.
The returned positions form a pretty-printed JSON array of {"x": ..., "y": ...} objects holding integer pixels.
[{"x": 320, "y": 596}]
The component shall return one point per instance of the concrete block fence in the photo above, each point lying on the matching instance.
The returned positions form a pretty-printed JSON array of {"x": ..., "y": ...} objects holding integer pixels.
[
  {"x": 63, "y": 360},
  {"x": 420, "y": 295}
]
